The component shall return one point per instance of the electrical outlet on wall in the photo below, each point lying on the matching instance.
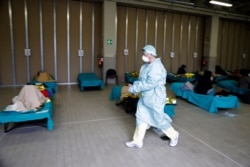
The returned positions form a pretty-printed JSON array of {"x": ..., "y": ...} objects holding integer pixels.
[
  {"x": 27, "y": 52},
  {"x": 172, "y": 54},
  {"x": 244, "y": 55},
  {"x": 80, "y": 52},
  {"x": 195, "y": 55},
  {"x": 125, "y": 52}
]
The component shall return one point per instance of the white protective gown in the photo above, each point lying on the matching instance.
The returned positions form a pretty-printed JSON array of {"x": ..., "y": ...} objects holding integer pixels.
[{"x": 151, "y": 85}]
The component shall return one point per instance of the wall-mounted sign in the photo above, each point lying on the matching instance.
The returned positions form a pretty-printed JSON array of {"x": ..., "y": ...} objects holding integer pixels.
[{"x": 109, "y": 41}]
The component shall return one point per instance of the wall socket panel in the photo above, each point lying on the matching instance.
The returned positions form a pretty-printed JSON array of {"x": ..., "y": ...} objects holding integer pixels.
[
  {"x": 27, "y": 52},
  {"x": 172, "y": 54},
  {"x": 125, "y": 52},
  {"x": 195, "y": 55},
  {"x": 80, "y": 52}
]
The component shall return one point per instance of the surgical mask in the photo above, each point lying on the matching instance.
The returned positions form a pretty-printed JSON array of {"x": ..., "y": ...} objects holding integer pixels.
[{"x": 145, "y": 59}]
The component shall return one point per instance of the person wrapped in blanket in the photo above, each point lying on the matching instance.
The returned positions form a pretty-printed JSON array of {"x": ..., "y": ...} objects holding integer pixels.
[
  {"x": 29, "y": 98},
  {"x": 150, "y": 107}
]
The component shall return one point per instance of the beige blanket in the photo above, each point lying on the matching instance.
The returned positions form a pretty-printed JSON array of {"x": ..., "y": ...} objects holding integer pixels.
[{"x": 29, "y": 98}]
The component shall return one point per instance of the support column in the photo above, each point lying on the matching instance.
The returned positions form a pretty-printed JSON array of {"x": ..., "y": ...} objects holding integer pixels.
[
  {"x": 213, "y": 54},
  {"x": 109, "y": 35},
  {"x": 211, "y": 42}
]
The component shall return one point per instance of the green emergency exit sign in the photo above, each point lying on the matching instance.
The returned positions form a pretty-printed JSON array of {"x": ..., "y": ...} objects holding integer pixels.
[{"x": 109, "y": 41}]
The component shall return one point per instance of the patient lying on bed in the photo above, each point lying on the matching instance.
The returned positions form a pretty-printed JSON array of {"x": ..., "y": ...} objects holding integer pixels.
[{"x": 29, "y": 98}]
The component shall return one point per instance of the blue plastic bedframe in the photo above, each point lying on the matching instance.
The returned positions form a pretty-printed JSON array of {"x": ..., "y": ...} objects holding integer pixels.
[
  {"x": 45, "y": 112},
  {"x": 89, "y": 80},
  {"x": 210, "y": 103}
]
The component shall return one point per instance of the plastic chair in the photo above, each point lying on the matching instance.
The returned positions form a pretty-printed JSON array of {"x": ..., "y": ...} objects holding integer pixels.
[{"x": 111, "y": 73}]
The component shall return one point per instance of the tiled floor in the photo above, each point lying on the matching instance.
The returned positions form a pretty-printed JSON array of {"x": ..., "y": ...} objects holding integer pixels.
[{"x": 90, "y": 131}]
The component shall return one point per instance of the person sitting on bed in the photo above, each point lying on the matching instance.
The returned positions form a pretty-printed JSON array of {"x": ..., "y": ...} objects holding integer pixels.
[
  {"x": 182, "y": 70},
  {"x": 205, "y": 83}
]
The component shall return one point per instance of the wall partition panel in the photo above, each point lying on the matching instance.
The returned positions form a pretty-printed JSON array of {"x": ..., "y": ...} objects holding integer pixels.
[
  {"x": 233, "y": 44},
  {"x": 51, "y": 30},
  {"x": 235, "y": 49},
  {"x": 87, "y": 37},
  {"x": 131, "y": 38},
  {"x": 19, "y": 41},
  {"x": 244, "y": 48},
  {"x": 34, "y": 36},
  {"x": 150, "y": 27},
  {"x": 61, "y": 25},
  {"x": 74, "y": 25},
  {"x": 142, "y": 14},
  {"x": 48, "y": 37},
  {"x": 159, "y": 34},
  {"x": 175, "y": 43},
  {"x": 168, "y": 39},
  {"x": 97, "y": 43},
  {"x": 168, "y": 32},
  {"x": 222, "y": 50},
  {"x": 199, "y": 42},
  {"x": 121, "y": 28},
  {"x": 6, "y": 69},
  {"x": 230, "y": 46},
  {"x": 191, "y": 40}
]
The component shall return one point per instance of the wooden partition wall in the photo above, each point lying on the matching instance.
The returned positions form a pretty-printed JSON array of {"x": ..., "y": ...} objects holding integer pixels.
[
  {"x": 169, "y": 32},
  {"x": 54, "y": 31},
  {"x": 234, "y": 45}
]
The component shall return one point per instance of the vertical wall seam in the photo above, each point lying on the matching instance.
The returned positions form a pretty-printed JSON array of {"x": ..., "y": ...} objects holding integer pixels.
[
  {"x": 195, "y": 44},
  {"x": 136, "y": 40},
  {"x": 188, "y": 42},
  {"x": 68, "y": 41},
  {"x": 172, "y": 40},
  {"x": 41, "y": 35},
  {"x": 12, "y": 42},
  {"x": 164, "y": 37},
  {"x": 222, "y": 35},
  {"x": 126, "y": 40},
  {"x": 27, "y": 39},
  {"x": 181, "y": 38},
  {"x": 146, "y": 28},
  {"x": 55, "y": 42},
  {"x": 80, "y": 38},
  {"x": 156, "y": 28},
  {"x": 93, "y": 36}
]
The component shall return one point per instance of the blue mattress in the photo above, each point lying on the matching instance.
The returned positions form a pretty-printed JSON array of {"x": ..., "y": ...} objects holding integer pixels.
[
  {"x": 115, "y": 95},
  {"x": 210, "y": 103},
  {"x": 45, "y": 112},
  {"x": 89, "y": 80},
  {"x": 232, "y": 85}
]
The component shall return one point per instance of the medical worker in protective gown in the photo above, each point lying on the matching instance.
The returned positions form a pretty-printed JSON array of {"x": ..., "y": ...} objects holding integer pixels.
[{"x": 150, "y": 107}]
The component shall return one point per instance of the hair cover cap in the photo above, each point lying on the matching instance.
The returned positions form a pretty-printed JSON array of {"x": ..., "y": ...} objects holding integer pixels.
[{"x": 149, "y": 49}]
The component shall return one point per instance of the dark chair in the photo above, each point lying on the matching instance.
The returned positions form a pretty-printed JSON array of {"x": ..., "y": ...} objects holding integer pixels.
[{"x": 111, "y": 73}]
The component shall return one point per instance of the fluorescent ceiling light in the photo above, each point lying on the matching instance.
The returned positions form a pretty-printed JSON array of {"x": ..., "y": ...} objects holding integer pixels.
[
  {"x": 226, "y": 4},
  {"x": 183, "y": 2}
]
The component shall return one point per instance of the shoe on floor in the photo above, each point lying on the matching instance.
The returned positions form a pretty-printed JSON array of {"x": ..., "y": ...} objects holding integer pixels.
[
  {"x": 133, "y": 144},
  {"x": 174, "y": 142}
]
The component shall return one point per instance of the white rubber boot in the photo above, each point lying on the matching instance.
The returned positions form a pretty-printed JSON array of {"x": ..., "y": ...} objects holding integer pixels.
[
  {"x": 138, "y": 137},
  {"x": 173, "y": 135}
]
